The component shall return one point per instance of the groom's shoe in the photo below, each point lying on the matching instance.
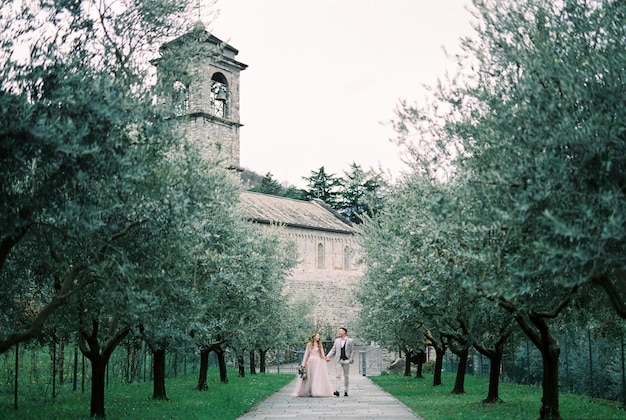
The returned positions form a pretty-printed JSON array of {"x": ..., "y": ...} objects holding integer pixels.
[
  {"x": 336, "y": 393},
  {"x": 345, "y": 394}
]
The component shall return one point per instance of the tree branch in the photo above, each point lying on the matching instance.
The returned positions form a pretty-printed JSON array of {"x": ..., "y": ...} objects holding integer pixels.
[
  {"x": 36, "y": 326},
  {"x": 559, "y": 307},
  {"x": 615, "y": 296}
]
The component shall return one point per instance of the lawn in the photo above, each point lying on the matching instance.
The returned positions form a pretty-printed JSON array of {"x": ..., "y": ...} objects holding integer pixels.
[
  {"x": 231, "y": 400},
  {"x": 134, "y": 401},
  {"x": 519, "y": 401}
]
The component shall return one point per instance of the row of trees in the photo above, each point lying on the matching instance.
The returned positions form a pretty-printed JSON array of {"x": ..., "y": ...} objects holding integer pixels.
[
  {"x": 357, "y": 195},
  {"x": 513, "y": 221},
  {"x": 111, "y": 225}
]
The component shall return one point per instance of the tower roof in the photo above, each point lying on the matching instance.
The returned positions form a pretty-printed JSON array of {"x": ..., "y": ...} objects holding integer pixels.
[{"x": 199, "y": 35}]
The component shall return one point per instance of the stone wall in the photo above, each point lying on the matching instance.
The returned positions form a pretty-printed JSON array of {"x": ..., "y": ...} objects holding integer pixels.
[
  {"x": 216, "y": 138},
  {"x": 331, "y": 286},
  {"x": 193, "y": 63}
]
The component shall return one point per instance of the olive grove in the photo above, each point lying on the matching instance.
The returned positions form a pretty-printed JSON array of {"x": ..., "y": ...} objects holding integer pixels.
[
  {"x": 518, "y": 186},
  {"x": 111, "y": 226}
]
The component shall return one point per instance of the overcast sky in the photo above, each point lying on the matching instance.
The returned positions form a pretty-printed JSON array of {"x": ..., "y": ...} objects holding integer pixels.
[{"x": 324, "y": 74}]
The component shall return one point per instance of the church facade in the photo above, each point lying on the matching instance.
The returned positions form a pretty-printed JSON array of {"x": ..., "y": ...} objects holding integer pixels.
[
  {"x": 328, "y": 254},
  {"x": 207, "y": 85}
]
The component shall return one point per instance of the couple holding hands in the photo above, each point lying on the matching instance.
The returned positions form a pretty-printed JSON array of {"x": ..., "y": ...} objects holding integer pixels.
[{"x": 316, "y": 382}]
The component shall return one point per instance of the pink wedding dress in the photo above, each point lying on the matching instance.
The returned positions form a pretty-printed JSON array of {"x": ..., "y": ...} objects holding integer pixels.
[{"x": 317, "y": 383}]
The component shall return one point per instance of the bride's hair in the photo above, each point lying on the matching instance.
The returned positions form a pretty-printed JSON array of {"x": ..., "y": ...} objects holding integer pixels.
[{"x": 320, "y": 347}]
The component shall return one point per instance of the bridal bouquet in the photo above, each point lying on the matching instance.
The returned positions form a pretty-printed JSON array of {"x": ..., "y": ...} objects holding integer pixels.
[{"x": 302, "y": 372}]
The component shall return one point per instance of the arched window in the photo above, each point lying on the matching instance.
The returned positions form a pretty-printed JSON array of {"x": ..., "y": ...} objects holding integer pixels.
[
  {"x": 219, "y": 96},
  {"x": 347, "y": 256},
  {"x": 180, "y": 98},
  {"x": 320, "y": 256}
]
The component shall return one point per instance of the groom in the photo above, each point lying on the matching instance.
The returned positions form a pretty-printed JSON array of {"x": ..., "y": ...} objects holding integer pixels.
[{"x": 343, "y": 350}]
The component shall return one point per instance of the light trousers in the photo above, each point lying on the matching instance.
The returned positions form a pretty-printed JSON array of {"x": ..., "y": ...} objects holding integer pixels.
[{"x": 342, "y": 367}]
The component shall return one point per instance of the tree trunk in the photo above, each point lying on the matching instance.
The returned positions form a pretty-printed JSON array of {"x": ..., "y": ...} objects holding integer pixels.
[
  {"x": 541, "y": 336},
  {"x": 420, "y": 363},
  {"x": 262, "y": 354},
  {"x": 175, "y": 364},
  {"x": 241, "y": 365},
  {"x": 98, "y": 370},
  {"x": 54, "y": 365},
  {"x": 61, "y": 363},
  {"x": 17, "y": 375},
  {"x": 550, "y": 399},
  {"x": 419, "y": 373},
  {"x": 204, "y": 369},
  {"x": 99, "y": 358},
  {"x": 459, "y": 381},
  {"x": 252, "y": 363},
  {"x": 495, "y": 358},
  {"x": 132, "y": 362},
  {"x": 75, "y": 373},
  {"x": 407, "y": 364},
  {"x": 159, "y": 375},
  {"x": 439, "y": 353},
  {"x": 221, "y": 361}
]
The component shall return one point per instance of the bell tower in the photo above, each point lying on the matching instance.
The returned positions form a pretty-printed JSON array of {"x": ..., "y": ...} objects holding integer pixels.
[{"x": 199, "y": 76}]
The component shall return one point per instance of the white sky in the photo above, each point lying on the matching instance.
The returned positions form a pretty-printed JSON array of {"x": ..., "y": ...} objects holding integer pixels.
[{"x": 324, "y": 74}]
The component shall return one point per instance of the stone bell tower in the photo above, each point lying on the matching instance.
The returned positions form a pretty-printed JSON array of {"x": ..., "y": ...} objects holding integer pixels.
[{"x": 200, "y": 76}]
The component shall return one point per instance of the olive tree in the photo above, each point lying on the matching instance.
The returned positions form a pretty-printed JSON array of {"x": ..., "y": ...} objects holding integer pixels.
[
  {"x": 537, "y": 121},
  {"x": 77, "y": 139}
]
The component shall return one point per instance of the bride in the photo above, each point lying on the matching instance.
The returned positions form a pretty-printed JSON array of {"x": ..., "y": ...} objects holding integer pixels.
[{"x": 316, "y": 383}]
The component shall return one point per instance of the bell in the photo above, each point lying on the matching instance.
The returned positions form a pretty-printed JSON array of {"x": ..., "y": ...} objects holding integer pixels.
[{"x": 222, "y": 95}]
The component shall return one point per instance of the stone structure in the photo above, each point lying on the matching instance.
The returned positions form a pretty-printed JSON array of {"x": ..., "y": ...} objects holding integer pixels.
[
  {"x": 328, "y": 253},
  {"x": 205, "y": 74}
]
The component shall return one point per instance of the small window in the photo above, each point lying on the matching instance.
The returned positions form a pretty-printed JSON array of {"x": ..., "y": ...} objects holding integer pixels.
[
  {"x": 347, "y": 255},
  {"x": 320, "y": 256}
]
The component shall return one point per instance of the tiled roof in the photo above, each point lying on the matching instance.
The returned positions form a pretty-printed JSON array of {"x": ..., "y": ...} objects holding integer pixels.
[{"x": 263, "y": 208}]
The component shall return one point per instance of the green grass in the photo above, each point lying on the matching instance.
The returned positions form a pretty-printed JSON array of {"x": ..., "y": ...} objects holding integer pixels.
[
  {"x": 134, "y": 401},
  {"x": 519, "y": 401},
  {"x": 231, "y": 400}
]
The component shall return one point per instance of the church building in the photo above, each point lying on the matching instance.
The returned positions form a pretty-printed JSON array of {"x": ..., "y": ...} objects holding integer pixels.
[{"x": 207, "y": 94}]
